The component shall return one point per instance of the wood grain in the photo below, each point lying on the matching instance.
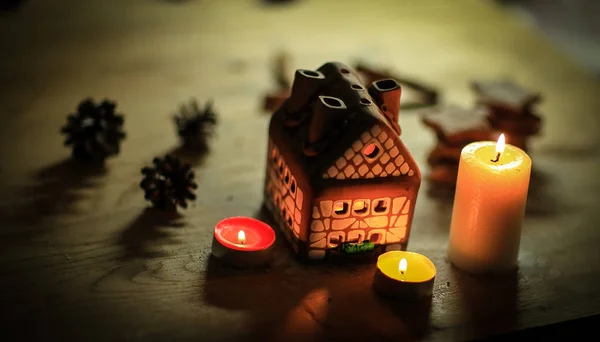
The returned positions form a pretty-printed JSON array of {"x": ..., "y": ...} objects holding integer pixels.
[{"x": 83, "y": 258}]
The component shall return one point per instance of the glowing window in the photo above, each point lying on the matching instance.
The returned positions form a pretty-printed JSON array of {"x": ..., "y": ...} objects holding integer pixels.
[
  {"x": 360, "y": 207},
  {"x": 375, "y": 238},
  {"x": 371, "y": 150},
  {"x": 335, "y": 240},
  {"x": 356, "y": 237},
  {"x": 341, "y": 209},
  {"x": 381, "y": 206}
]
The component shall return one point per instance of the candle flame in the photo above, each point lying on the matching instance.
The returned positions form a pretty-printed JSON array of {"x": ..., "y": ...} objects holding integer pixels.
[
  {"x": 501, "y": 144},
  {"x": 241, "y": 237},
  {"x": 403, "y": 265}
]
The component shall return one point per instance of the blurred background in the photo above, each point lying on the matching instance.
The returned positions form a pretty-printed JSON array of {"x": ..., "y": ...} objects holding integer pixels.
[{"x": 572, "y": 25}]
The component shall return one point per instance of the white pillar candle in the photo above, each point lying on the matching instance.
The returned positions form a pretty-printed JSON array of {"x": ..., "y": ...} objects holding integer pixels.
[{"x": 489, "y": 207}]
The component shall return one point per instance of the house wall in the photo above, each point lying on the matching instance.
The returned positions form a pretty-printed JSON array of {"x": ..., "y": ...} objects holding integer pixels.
[
  {"x": 377, "y": 154},
  {"x": 285, "y": 197},
  {"x": 389, "y": 224}
]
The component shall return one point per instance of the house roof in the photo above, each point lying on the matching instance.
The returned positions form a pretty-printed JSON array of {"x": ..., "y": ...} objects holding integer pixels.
[{"x": 329, "y": 110}]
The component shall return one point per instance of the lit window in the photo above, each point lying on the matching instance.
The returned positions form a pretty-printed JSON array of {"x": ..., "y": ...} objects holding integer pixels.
[
  {"x": 286, "y": 177},
  {"x": 335, "y": 240},
  {"x": 356, "y": 236},
  {"x": 372, "y": 150},
  {"x": 341, "y": 208},
  {"x": 360, "y": 207},
  {"x": 375, "y": 238},
  {"x": 381, "y": 206}
]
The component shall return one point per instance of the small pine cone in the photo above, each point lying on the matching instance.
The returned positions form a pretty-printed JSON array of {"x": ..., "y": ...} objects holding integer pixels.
[
  {"x": 168, "y": 183},
  {"x": 95, "y": 132},
  {"x": 195, "y": 125}
]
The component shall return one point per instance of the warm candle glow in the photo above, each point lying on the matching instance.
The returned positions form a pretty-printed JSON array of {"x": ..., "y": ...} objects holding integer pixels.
[
  {"x": 395, "y": 263},
  {"x": 392, "y": 280},
  {"x": 241, "y": 237},
  {"x": 403, "y": 265},
  {"x": 501, "y": 143},
  {"x": 499, "y": 147},
  {"x": 489, "y": 206}
]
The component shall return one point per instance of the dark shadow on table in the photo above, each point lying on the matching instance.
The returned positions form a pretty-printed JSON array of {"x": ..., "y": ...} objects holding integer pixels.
[
  {"x": 56, "y": 190},
  {"x": 491, "y": 302},
  {"x": 539, "y": 202},
  {"x": 293, "y": 301},
  {"x": 148, "y": 233},
  {"x": 177, "y": 2},
  {"x": 565, "y": 331},
  {"x": 10, "y": 5}
]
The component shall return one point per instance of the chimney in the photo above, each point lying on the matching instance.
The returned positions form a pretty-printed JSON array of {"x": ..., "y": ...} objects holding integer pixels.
[
  {"x": 306, "y": 84},
  {"x": 386, "y": 94},
  {"x": 327, "y": 114}
]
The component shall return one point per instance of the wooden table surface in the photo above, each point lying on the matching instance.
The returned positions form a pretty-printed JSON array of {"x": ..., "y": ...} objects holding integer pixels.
[{"x": 84, "y": 259}]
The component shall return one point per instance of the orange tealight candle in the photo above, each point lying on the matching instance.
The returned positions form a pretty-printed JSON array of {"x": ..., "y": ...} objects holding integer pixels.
[{"x": 489, "y": 207}]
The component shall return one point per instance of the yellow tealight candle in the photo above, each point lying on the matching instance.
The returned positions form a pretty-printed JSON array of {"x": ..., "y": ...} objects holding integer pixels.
[
  {"x": 404, "y": 275},
  {"x": 489, "y": 207}
]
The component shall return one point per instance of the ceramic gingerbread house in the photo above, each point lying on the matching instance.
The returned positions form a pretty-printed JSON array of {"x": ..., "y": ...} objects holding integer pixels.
[{"x": 337, "y": 172}]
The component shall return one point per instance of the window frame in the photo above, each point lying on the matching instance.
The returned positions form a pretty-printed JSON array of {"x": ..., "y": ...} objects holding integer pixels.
[
  {"x": 340, "y": 239},
  {"x": 366, "y": 212},
  {"x": 334, "y": 213},
  {"x": 379, "y": 150},
  {"x": 376, "y": 201}
]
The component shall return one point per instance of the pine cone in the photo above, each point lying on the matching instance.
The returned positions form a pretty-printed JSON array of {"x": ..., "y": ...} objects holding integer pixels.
[
  {"x": 95, "y": 131},
  {"x": 168, "y": 183},
  {"x": 194, "y": 125}
]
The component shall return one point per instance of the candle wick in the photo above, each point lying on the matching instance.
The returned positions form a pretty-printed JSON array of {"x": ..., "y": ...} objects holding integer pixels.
[{"x": 497, "y": 158}]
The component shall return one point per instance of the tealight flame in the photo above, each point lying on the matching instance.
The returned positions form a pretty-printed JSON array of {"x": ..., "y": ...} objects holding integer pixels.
[
  {"x": 499, "y": 147},
  {"x": 501, "y": 143},
  {"x": 403, "y": 265},
  {"x": 241, "y": 237}
]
